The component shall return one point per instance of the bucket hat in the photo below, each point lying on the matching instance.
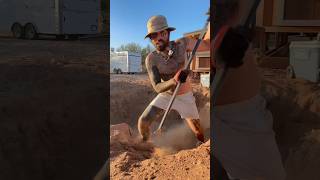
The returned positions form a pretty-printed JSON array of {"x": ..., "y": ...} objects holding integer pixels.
[{"x": 156, "y": 24}]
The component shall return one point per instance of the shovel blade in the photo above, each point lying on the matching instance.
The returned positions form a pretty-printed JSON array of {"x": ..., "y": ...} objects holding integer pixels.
[{"x": 157, "y": 132}]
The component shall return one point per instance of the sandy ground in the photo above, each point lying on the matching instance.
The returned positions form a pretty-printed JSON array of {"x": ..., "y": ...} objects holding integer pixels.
[
  {"x": 169, "y": 156},
  {"x": 295, "y": 104},
  {"x": 144, "y": 161},
  {"x": 52, "y": 109}
]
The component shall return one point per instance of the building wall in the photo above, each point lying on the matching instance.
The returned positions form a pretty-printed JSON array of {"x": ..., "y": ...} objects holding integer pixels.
[{"x": 205, "y": 56}]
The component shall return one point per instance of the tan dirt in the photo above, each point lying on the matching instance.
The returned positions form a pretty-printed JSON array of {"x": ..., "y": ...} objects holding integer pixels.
[
  {"x": 168, "y": 156},
  {"x": 52, "y": 109},
  {"x": 295, "y": 105},
  {"x": 186, "y": 164}
]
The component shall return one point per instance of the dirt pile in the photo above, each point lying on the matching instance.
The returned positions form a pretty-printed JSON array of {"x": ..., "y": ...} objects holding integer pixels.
[
  {"x": 295, "y": 105},
  {"x": 129, "y": 96},
  {"x": 303, "y": 161},
  {"x": 193, "y": 163},
  {"x": 124, "y": 154},
  {"x": 136, "y": 160}
]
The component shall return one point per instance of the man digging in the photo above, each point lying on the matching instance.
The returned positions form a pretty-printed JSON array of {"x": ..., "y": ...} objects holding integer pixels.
[{"x": 165, "y": 70}]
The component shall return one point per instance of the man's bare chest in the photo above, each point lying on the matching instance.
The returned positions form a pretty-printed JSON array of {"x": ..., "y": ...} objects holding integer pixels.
[{"x": 171, "y": 65}]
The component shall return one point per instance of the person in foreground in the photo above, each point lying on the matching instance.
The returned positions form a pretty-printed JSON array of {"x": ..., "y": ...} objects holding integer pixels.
[{"x": 165, "y": 69}]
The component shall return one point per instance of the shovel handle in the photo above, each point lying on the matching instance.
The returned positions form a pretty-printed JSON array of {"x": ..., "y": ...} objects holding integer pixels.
[{"x": 169, "y": 106}]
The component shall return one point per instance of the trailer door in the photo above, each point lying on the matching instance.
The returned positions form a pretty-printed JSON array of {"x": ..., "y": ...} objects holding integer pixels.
[
  {"x": 134, "y": 62},
  {"x": 80, "y": 17}
]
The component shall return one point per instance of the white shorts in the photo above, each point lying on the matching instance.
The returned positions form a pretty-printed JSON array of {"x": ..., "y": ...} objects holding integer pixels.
[
  {"x": 244, "y": 140},
  {"x": 184, "y": 104}
]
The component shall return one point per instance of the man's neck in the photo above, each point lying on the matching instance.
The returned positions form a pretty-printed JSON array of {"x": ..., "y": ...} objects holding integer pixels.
[{"x": 166, "y": 50}]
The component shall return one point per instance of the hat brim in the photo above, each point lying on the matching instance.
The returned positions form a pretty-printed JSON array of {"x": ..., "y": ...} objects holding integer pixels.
[{"x": 168, "y": 28}]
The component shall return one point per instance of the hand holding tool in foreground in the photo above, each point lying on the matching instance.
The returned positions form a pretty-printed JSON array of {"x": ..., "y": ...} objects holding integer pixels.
[
  {"x": 181, "y": 76},
  {"x": 234, "y": 46}
]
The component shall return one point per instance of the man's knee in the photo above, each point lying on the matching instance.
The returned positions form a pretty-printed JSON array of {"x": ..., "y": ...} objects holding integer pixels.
[
  {"x": 146, "y": 119},
  {"x": 150, "y": 114},
  {"x": 143, "y": 122},
  {"x": 143, "y": 127}
]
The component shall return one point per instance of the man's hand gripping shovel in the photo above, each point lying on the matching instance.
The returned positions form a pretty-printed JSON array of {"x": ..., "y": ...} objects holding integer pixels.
[{"x": 158, "y": 132}]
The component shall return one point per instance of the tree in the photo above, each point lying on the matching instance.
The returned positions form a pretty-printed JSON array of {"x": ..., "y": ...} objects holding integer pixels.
[
  {"x": 131, "y": 47},
  {"x": 144, "y": 53}
]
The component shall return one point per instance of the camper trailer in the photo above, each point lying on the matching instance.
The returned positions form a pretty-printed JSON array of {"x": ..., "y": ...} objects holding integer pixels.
[
  {"x": 62, "y": 18},
  {"x": 125, "y": 62}
]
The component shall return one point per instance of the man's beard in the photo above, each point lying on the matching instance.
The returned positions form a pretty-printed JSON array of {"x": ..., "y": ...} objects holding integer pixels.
[{"x": 161, "y": 46}]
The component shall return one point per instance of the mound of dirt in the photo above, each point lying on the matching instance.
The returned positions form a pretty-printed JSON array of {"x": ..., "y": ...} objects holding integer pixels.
[
  {"x": 295, "y": 105},
  {"x": 304, "y": 160},
  {"x": 186, "y": 163},
  {"x": 136, "y": 160},
  {"x": 129, "y": 96}
]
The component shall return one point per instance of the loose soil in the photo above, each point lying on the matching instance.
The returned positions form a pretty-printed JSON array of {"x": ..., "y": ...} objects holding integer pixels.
[
  {"x": 52, "y": 109},
  {"x": 295, "y": 104},
  {"x": 168, "y": 156}
]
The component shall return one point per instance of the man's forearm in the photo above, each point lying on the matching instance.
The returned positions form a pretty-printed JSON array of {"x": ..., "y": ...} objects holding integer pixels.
[
  {"x": 164, "y": 86},
  {"x": 155, "y": 79}
]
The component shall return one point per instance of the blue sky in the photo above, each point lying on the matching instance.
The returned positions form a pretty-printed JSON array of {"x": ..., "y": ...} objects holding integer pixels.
[{"x": 128, "y": 18}]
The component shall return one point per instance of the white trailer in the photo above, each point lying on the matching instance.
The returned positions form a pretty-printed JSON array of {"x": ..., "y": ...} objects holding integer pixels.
[
  {"x": 30, "y": 18},
  {"x": 125, "y": 62}
]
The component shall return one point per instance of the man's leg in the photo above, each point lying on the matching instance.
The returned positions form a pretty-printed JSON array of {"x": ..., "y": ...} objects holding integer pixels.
[
  {"x": 150, "y": 114},
  {"x": 194, "y": 125}
]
